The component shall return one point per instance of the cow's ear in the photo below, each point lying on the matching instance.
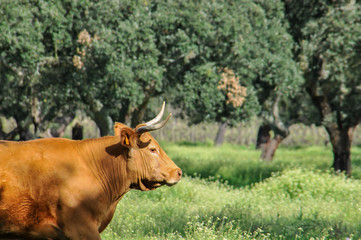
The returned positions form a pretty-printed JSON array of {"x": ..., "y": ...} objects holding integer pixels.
[{"x": 126, "y": 135}]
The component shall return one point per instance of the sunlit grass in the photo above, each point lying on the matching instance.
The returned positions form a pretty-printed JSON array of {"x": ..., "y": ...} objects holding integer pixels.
[
  {"x": 236, "y": 196},
  {"x": 294, "y": 204}
]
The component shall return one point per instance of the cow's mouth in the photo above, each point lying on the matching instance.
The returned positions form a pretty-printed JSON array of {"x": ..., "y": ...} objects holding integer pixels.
[{"x": 150, "y": 185}]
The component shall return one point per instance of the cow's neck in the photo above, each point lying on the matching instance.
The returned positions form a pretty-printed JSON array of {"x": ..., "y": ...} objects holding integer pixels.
[{"x": 106, "y": 159}]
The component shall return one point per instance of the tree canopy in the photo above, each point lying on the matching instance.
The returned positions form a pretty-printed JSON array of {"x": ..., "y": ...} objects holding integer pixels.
[
  {"x": 109, "y": 58},
  {"x": 218, "y": 61},
  {"x": 27, "y": 54},
  {"x": 248, "y": 37}
]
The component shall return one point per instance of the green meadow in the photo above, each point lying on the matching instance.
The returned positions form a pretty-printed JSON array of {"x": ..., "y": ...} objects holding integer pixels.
[{"x": 227, "y": 193}]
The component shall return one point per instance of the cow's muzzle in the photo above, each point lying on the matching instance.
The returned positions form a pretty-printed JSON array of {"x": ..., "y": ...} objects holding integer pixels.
[{"x": 174, "y": 177}]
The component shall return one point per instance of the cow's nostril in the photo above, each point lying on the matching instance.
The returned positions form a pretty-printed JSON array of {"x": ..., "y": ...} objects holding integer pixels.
[{"x": 179, "y": 173}]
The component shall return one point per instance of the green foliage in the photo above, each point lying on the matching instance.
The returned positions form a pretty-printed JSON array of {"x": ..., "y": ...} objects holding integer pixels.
[
  {"x": 19, "y": 47},
  {"x": 30, "y": 92},
  {"x": 123, "y": 63},
  {"x": 334, "y": 39},
  {"x": 252, "y": 41},
  {"x": 119, "y": 71},
  {"x": 141, "y": 49},
  {"x": 21, "y": 35}
]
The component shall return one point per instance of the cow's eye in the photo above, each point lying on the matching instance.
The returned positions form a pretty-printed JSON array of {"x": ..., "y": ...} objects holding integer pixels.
[{"x": 153, "y": 150}]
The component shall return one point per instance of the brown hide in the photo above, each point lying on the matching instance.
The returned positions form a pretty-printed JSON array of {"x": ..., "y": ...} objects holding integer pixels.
[{"x": 66, "y": 189}]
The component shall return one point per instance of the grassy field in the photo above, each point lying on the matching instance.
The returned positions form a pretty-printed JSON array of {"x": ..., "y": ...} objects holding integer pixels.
[{"x": 229, "y": 194}]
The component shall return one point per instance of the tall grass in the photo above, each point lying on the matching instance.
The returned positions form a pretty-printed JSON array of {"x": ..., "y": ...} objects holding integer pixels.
[{"x": 295, "y": 204}]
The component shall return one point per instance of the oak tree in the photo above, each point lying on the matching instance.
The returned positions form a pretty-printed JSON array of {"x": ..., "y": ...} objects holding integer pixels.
[{"x": 328, "y": 34}]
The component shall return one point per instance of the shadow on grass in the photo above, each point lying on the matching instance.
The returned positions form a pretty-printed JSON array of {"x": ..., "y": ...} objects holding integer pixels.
[{"x": 233, "y": 173}]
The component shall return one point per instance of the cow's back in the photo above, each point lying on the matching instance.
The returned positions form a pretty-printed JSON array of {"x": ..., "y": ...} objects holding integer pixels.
[{"x": 32, "y": 175}]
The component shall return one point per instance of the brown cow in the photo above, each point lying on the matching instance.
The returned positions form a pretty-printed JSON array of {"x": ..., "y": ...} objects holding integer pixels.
[{"x": 66, "y": 189}]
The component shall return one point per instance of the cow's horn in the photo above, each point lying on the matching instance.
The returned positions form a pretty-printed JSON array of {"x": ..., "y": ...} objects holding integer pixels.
[
  {"x": 157, "y": 126},
  {"x": 158, "y": 117}
]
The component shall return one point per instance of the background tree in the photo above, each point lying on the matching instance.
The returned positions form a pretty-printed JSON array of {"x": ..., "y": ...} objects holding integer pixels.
[
  {"x": 282, "y": 114},
  {"x": 279, "y": 78},
  {"x": 121, "y": 72},
  {"x": 207, "y": 39},
  {"x": 27, "y": 53},
  {"x": 145, "y": 49},
  {"x": 329, "y": 39},
  {"x": 248, "y": 37},
  {"x": 117, "y": 71}
]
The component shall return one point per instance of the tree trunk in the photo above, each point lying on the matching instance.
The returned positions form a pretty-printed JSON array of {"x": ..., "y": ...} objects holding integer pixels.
[
  {"x": 138, "y": 114},
  {"x": 218, "y": 141},
  {"x": 124, "y": 112},
  {"x": 267, "y": 144},
  {"x": 22, "y": 129},
  {"x": 263, "y": 136},
  {"x": 339, "y": 131},
  {"x": 341, "y": 140},
  {"x": 269, "y": 149},
  {"x": 77, "y": 132},
  {"x": 280, "y": 129},
  {"x": 25, "y": 135},
  {"x": 2, "y": 133},
  {"x": 99, "y": 115},
  {"x": 103, "y": 121}
]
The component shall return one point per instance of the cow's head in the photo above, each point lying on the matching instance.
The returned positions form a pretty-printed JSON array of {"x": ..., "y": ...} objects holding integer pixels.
[{"x": 147, "y": 164}]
